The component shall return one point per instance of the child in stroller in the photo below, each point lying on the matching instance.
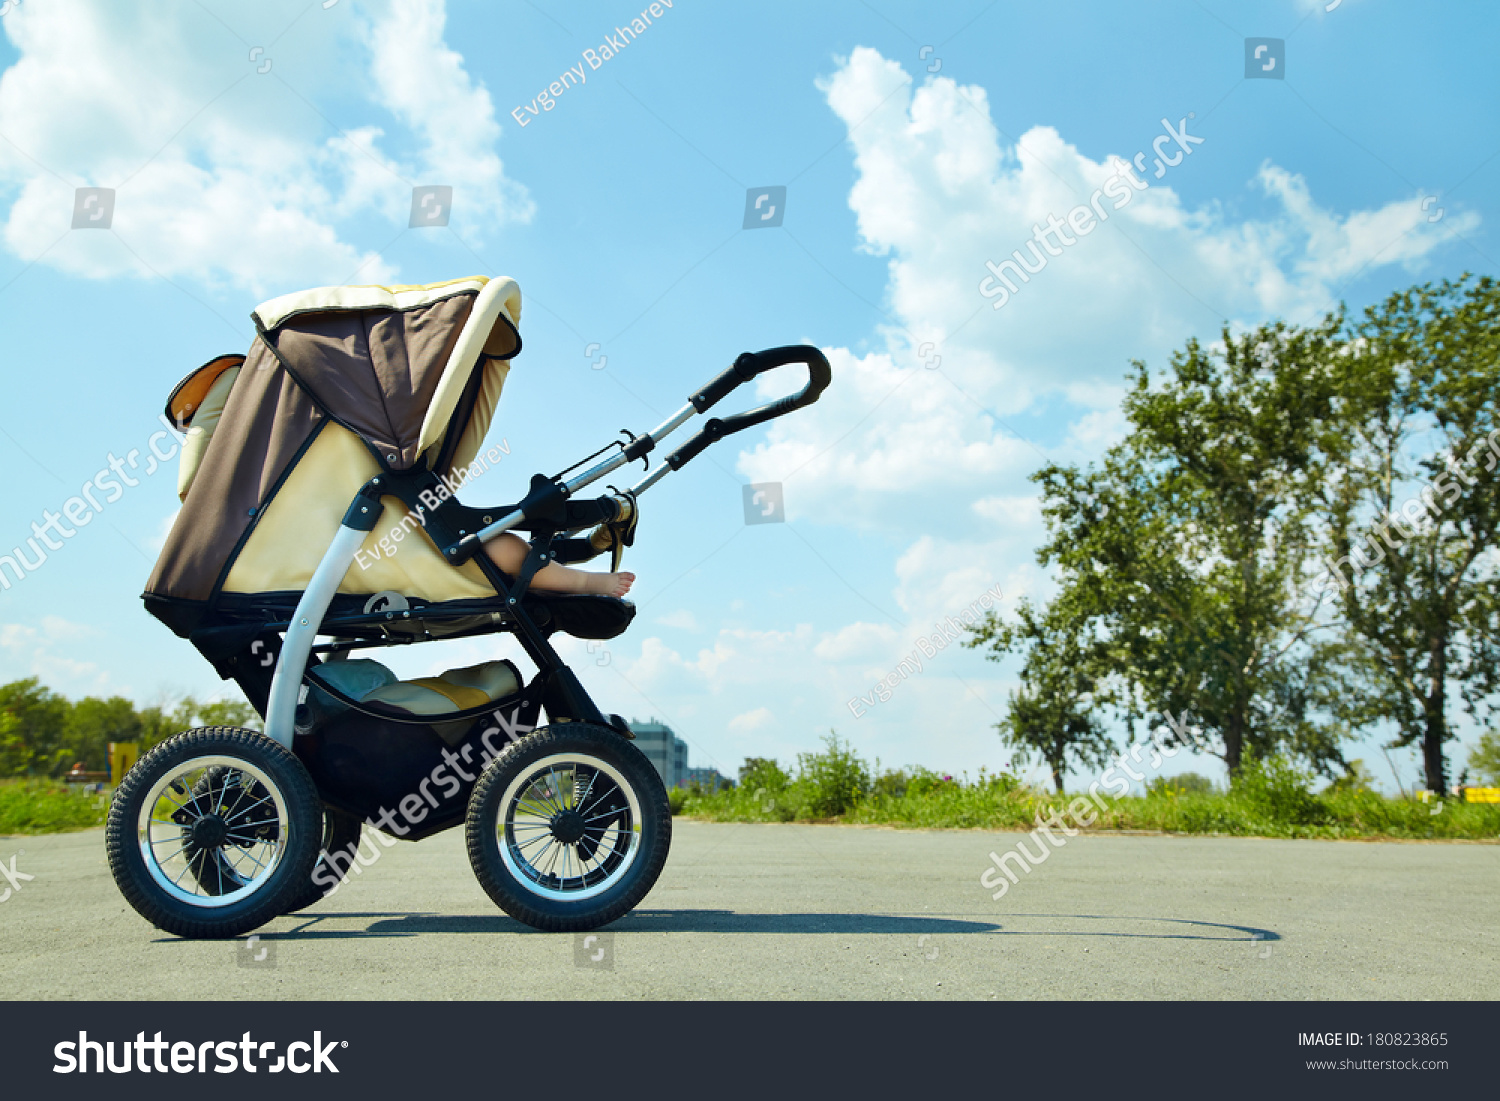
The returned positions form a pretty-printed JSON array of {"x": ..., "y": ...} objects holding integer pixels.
[
  {"x": 357, "y": 409},
  {"x": 509, "y": 553}
]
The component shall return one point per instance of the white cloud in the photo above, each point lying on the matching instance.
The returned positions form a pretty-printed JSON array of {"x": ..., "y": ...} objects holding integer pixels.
[
  {"x": 46, "y": 651},
  {"x": 864, "y": 642},
  {"x": 938, "y": 193},
  {"x": 752, "y": 720},
  {"x": 894, "y": 448},
  {"x": 682, "y": 619},
  {"x": 226, "y": 174}
]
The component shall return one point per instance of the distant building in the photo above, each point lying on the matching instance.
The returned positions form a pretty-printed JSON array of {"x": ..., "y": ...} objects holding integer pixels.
[
  {"x": 669, "y": 754},
  {"x": 707, "y": 778},
  {"x": 662, "y": 748}
]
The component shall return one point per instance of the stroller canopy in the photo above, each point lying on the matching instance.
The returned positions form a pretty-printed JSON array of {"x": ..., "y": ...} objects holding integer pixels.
[{"x": 340, "y": 383}]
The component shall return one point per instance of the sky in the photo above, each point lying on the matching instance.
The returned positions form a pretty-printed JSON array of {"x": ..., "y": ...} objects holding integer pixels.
[{"x": 257, "y": 149}]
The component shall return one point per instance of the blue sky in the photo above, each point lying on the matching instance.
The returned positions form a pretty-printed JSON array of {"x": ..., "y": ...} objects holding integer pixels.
[{"x": 1370, "y": 166}]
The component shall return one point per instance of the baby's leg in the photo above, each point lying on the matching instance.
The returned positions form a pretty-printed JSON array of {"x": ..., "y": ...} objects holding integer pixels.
[{"x": 509, "y": 553}]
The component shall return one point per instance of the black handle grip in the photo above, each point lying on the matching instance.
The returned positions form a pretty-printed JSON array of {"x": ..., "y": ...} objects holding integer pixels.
[{"x": 745, "y": 368}]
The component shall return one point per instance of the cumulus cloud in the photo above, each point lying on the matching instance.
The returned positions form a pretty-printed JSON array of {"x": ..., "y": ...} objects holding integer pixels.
[
  {"x": 921, "y": 438},
  {"x": 682, "y": 619},
  {"x": 47, "y": 651},
  {"x": 938, "y": 193},
  {"x": 225, "y": 173},
  {"x": 752, "y": 720}
]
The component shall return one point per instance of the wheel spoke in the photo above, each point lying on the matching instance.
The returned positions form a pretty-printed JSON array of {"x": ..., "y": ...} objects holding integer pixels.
[
  {"x": 255, "y": 804},
  {"x": 257, "y": 863},
  {"x": 163, "y": 859},
  {"x": 240, "y": 783},
  {"x": 565, "y": 785}
]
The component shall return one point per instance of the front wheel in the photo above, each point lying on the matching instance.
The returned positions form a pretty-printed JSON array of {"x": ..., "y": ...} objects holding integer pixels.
[
  {"x": 213, "y": 833},
  {"x": 569, "y": 828}
]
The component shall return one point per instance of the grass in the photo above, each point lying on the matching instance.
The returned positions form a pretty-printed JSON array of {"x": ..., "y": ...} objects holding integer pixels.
[
  {"x": 45, "y": 806},
  {"x": 1270, "y": 800}
]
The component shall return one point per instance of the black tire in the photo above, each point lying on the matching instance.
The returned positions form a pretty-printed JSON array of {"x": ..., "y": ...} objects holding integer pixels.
[
  {"x": 213, "y": 827},
  {"x": 340, "y": 835},
  {"x": 614, "y": 795}
]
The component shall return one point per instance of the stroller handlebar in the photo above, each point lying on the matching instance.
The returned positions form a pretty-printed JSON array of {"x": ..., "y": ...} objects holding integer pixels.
[
  {"x": 547, "y": 494},
  {"x": 745, "y": 368}
]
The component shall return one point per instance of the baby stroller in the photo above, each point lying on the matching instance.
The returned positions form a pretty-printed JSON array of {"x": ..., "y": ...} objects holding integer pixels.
[{"x": 320, "y": 519}]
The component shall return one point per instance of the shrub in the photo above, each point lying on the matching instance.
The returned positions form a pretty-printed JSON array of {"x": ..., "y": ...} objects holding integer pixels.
[
  {"x": 677, "y": 798},
  {"x": 1276, "y": 790},
  {"x": 926, "y": 782},
  {"x": 832, "y": 782},
  {"x": 763, "y": 773},
  {"x": 892, "y": 784},
  {"x": 1484, "y": 759},
  {"x": 1189, "y": 783}
]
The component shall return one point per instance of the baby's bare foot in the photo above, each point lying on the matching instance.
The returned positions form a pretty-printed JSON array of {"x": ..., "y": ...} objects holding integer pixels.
[{"x": 611, "y": 584}]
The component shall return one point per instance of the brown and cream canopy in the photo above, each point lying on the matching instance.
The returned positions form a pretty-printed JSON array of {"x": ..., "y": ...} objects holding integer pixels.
[{"x": 344, "y": 380}]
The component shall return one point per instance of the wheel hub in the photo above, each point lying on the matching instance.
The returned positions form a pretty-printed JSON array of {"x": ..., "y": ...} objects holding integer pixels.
[
  {"x": 567, "y": 826},
  {"x": 209, "y": 832}
]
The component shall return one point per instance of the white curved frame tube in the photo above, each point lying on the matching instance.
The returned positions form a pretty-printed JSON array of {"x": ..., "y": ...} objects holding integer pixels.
[{"x": 296, "y": 648}]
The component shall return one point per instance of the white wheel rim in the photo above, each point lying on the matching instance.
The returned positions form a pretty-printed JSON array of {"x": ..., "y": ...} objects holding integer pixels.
[
  {"x": 248, "y": 860},
  {"x": 556, "y": 869}
]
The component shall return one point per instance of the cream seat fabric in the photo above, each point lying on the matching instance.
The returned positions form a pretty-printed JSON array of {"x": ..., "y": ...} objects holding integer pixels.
[{"x": 451, "y": 690}]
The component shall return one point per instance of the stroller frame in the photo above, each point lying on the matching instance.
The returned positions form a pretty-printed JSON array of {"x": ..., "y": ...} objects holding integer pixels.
[
  {"x": 547, "y": 511},
  {"x": 343, "y": 773}
]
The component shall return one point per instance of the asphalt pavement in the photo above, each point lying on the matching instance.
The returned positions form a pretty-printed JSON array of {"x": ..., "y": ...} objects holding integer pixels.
[{"x": 825, "y": 912}]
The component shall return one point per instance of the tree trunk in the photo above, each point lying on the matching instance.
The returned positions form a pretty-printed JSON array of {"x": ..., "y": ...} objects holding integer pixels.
[
  {"x": 1234, "y": 742},
  {"x": 1057, "y": 780},
  {"x": 1435, "y": 730}
]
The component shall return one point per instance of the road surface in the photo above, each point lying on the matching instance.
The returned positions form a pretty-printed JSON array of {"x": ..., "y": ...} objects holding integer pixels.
[{"x": 789, "y": 911}]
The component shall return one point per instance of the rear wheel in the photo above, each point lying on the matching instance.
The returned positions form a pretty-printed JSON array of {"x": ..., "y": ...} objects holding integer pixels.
[
  {"x": 341, "y": 834},
  {"x": 214, "y": 832},
  {"x": 569, "y": 828}
]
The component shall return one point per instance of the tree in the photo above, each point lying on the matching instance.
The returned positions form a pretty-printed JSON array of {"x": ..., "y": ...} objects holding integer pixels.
[
  {"x": 93, "y": 723},
  {"x": 1422, "y": 603},
  {"x": 1484, "y": 759},
  {"x": 43, "y": 734},
  {"x": 1190, "y": 552},
  {"x": 1053, "y": 714},
  {"x": 32, "y": 739},
  {"x": 159, "y": 722}
]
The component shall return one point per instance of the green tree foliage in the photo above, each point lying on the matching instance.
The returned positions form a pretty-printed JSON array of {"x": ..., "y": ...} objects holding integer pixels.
[
  {"x": 1187, "y": 558},
  {"x": 1054, "y": 715},
  {"x": 93, "y": 723},
  {"x": 1484, "y": 759},
  {"x": 34, "y": 733},
  {"x": 43, "y": 734},
  {"x": 1416, "y": 512}
]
